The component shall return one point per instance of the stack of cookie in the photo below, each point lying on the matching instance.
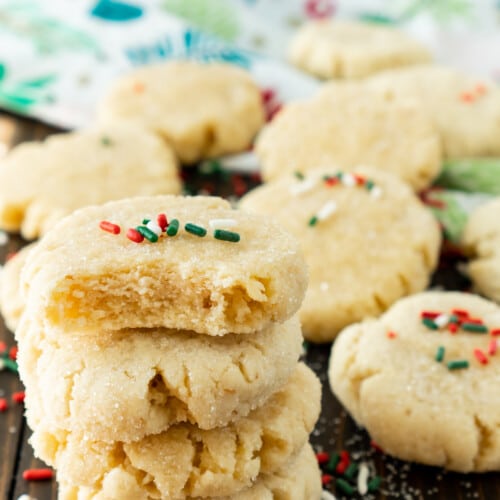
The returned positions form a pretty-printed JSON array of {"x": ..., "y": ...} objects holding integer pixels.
[{"x": 159, "y": 351}]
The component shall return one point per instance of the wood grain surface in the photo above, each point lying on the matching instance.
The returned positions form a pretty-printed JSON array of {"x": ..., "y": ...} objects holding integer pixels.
[{"x": 335, "y": 430}]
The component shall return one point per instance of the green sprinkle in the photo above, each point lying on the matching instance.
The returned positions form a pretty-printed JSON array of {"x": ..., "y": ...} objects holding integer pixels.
[
  {"x": 145, "y": 221},
  {"x": 429, "y": 323},
  {"x": 106, "y": 141},
  {"x": 439, "y": 354},
  {"x": 305, "y": 345},
  {"x": 374, "y": 483},
  {"x": 313, "y": 220},
  {"x": 10, "y": 365},
  {"x": 147, "y": 233},
  {"x": 339, "y": 175},
  {"x": 351, "y": 470},
  {"x": 299, "y": 175},
  {"x": 222, "y": 234},
  {"x": 344, "y": 486},
  {"x": 458, "y": 364},
  {"x": 333, "y": 462},
  {"x": 369, "y": 185},
  {"x": 453, "y": 318},
  {"x": 474, "y": 327},
  {"x": 173, "y": 227},
  {"x": 196, "y": 230}
]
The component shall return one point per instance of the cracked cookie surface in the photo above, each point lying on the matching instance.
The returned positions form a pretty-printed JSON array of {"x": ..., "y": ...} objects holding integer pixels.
[
  {"x": 123, "y": 386},
  {"x": 81, "y": 278},
  {"x": 201, "y": 109},
  {"x": 187, "y": 461},
  {"x": 481, "y": 240},
  {"x": 378, "y": 244},
  {"x": 412, "y": 397},
  {"x": 41, "y": 182}
]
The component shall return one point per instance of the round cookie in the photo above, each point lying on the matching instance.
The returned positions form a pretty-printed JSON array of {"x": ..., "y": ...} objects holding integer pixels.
[
  {"x": 11, "y": 298},
  {"x": 347, "y": 49},
  {"x": 465, "y": 109},
  {"x": 481, "y": 240},
  {"x": 41, "y": 182},
  {"x": 366, "y": 238},
  {"x": 350, "y": 124},
  {"x": 187, "y": 461},
  {"x": 426, "y": 392},
  {"x": 201, "y": 109},
  {"x": 298, "y": 480},
  {"x": 123, "y": 386},
  {"x": 185, "y": 281}
]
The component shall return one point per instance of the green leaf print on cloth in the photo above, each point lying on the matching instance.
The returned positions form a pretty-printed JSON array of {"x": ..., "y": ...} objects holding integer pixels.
[
  {"x": 26, "y": 20},
  {"x": 218, "y": 17}
]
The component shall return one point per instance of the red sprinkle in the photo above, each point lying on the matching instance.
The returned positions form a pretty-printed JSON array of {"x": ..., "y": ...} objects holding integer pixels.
[
  {"x": 453, "y": 327},
  {"x": 13, "y": 352},
  {"x": 360, "y": 180},
  {"x": 331, "y": 181},
  {"x": 162, "y": 221},
  {"x": 109, "y": 227},
  {"x": 18, "y": 397},
  {"x": 429, "y": 314},
  {"x": 492, "y": 347},
  {"x": 391, "y": 335},
  {"x": 326, "y": 479},
  {"x": 460, "y": 312},
  {"x": 376, "y": 447},
  {"x": 495, "y": 332},
  {"x": 344, "y": 462},
  {"x": 476, "y": 321},
  {"x": 480, "y": 356},
  {"x": 3, "y": 404},
  {"x": 467, "y": 97},
  {"x": 3, "y": 347},
  {"x": 38, "y": 474},
  {"x": 134, "y": 235},
  {"x": 239, "y": 185},
  {"x": 322, "y": 457}
]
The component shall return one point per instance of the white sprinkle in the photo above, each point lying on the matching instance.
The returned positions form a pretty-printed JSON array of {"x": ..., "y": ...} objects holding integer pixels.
[
  {"x": 26, "y": 497},
  {"x": 375, "y": 192},
  {"x": 324, "y": 286},
  {"x": 442, "y": 320},
  {"x": 326, "y": 495},
  {"x": 348, "y": 180},
  {"x": 221, "y": 223},
  {"x": 4, "y": 238},
  {"x": 326, "y": 210},
  {"x": 363, "y": 474},
  {"x": 153, "y": 226},
  {"x": 302, "y": 186}
]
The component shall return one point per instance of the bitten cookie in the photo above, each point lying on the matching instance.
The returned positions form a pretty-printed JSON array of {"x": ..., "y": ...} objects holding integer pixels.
[
  {"x": 422, "y": 380},
  {"x": 464, "y": 108},
  {"x": 298, "y": 480},
  {"x": 201, "y": 110},
  {"x": 11, "y": 298},
  {"x": 481, "y": 240},
  {"x": 213, "y": 270},
  {"x": 42, "y": 182},
  {"x": 123, "y": 386},
  {"x": 347, "y": 49},
  {"x": 349, "y": 124},
  {"x": 366, "y": 238},
  {"x": 187, "y": 461}
]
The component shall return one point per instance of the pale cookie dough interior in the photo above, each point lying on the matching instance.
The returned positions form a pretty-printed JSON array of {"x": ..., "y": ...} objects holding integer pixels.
[
  {"x": 387, "y": 374},
  {"x": 298, "y": 480},
  {"x": 83, "y": 278},
  {"x": 349, "y": 124},
  {"x": 464, "y": 108},
  {"x": 374, "y": 245},
  {"x": 123, "y": 386},
  {"x": 481, "y": 240},
  {"x": 11, "y": 298},
  {"x": 42, "y": 182},
  {"x": 201, "y": 110},
  {"x": 347, "y": 49},
  {"x": 187, "y": 461}
]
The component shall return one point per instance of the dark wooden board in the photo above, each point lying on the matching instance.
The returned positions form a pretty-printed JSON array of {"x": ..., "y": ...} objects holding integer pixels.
[{"x": 335, "y": 430}]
